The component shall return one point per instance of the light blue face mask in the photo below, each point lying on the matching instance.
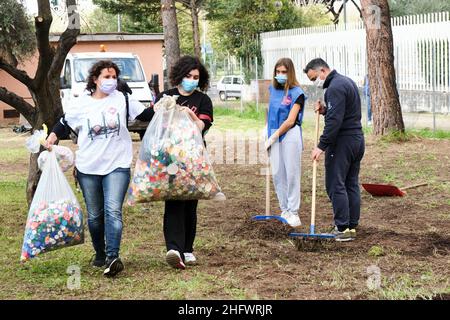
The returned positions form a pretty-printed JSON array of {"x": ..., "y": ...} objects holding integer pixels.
[
  {"x": 189, "y": 85},
  {"x": 281, "y": 78},
  {"x": 108, "y": 86}
]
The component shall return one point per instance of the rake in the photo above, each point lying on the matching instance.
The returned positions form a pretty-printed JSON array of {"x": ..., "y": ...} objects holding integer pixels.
[
  {"x": 268, "y": 216},
  {"x": 312, "y": 233}
]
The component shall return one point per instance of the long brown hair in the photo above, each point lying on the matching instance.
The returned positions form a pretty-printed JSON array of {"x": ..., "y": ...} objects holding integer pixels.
[{"x": 291, "y": 77}]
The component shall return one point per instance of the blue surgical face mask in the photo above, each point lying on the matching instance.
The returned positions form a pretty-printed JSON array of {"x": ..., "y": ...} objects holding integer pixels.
[
  {"x": 108, "y": 86},
  {"x": 281, "y": 78},
  {"x": 189, "y": 85}
]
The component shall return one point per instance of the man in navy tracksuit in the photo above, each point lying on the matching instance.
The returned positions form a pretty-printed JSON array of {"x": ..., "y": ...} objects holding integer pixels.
[{"x": 343, "y": 142}]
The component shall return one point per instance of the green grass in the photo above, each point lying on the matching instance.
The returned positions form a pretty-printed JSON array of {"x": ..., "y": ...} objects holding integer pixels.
[
  {"x": 229, "y": 118},
  {"x": 398, "y": 136},
  {"x": 12, "y": 155},
  {"x": 427, "y": 133},
  {"x": 146, "y": 275},
  {"x": 376, "y": 251},
  {"x": 249, "y": 112},
  {"x": 405, "y": 287}
]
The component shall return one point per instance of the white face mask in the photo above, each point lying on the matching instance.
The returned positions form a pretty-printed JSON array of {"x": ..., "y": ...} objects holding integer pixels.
[{"x": 319, "y": 82}]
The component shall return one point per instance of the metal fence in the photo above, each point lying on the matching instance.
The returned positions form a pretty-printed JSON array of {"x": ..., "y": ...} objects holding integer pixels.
[{"x": 421, "y": 52}]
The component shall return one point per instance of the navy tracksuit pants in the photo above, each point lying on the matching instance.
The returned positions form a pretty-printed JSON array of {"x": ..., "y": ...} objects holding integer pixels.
[{"x": 342, "y": 164}]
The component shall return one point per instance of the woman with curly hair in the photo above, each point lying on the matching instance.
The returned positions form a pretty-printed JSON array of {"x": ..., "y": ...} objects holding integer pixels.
[
  {"x": 104, "y": 157},
  {"x": 189, "y": 78}
]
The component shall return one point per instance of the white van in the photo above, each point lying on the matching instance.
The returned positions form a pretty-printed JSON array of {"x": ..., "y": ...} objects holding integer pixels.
[{"x": 76, "y": 69}]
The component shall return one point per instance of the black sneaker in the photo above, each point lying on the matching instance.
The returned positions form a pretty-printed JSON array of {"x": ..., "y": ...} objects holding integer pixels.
[
  {"x": 98, "y": 261},
  {"x": 113, "y": 267}
]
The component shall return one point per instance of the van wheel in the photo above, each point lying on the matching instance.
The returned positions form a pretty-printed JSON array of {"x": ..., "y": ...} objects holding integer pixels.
[{"x": 222, "y": 95}]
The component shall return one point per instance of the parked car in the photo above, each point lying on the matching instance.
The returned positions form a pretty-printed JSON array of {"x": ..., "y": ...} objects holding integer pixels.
[
  {"x": 230, "y": 86},
  {"x": 76, "y": 70}
]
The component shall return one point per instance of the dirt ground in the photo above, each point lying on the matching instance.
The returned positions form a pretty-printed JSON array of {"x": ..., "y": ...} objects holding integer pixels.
[
  {"x": 406, "y": 240},
  {"x": 406, "y": 237}
]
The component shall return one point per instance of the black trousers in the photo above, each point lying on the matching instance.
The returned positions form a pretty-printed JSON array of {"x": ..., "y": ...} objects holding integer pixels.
[
  {"x": 342, "y": 164},
  {"x": 180, "y": 225}
]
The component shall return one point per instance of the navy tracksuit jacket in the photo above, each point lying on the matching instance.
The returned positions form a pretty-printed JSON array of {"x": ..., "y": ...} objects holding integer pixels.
[{"x": 343, "y": 143}]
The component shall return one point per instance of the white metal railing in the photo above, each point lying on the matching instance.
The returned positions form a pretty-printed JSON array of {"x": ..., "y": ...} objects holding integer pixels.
[{"x": 421, "y": 50}]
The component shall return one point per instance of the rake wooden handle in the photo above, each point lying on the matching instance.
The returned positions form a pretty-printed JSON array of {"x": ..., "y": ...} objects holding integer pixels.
[
  {"x": 268, "y": 191},
  {"x": 268, "y": 173},
  {"x": 313, "y": 198},
  {"x": 414, "y": 186}
]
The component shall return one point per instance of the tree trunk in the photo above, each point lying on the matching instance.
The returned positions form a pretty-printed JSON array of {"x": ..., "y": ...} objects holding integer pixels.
[
  {"x": 170, "y": 27},
  {"x": 34, "y": 175},
  {"x": 44, "y": 88},
  {"x": 50, "y": 109},
  {"x": 386, "y": 109},
  {"x": 196, "y": 29}
]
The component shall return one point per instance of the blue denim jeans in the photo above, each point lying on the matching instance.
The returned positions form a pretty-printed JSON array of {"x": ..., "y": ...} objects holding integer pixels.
[{"x": 104, "y": 196}]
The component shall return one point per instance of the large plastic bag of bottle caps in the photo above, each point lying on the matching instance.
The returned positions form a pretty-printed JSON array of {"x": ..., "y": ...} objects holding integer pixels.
[
  {"x": 55, "y": 218},
  {"x": 173, "y": 163},
  {"x": 64, "y": 156}
]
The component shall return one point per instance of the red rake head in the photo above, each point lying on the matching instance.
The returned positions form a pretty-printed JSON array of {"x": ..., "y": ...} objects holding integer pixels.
[{"x": 383, "y": 190}]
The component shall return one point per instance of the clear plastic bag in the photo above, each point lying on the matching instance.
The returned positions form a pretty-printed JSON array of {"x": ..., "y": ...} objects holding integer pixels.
[
  {"x": 55, "y": 218},
  {"x": 173, "y": 163},
  {"x": 63, "y": 154},
  {"x": 34, "y": 142}
]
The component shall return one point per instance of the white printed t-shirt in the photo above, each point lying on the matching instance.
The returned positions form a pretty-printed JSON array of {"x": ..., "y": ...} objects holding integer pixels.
[{"x": 103, "y": 139}]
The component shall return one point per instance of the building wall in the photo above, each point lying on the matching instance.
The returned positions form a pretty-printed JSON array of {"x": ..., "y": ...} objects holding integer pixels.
[{"x": 149, "y": 52}]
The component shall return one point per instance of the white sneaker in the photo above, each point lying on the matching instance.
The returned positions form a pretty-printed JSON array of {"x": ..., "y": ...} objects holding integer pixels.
[
  {"x": 294, "y": 220},
  {"x": 284, "y": 215},
  {"x": 173, "y": 258},
  {"x": 189, "y": 258}
]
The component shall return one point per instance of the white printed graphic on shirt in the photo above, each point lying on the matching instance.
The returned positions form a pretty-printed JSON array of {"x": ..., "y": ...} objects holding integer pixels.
[{"x": 105, "y": 125}]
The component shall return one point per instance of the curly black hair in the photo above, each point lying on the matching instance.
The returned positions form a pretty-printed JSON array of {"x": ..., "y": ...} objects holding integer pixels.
[
  {"x": 96, "y": 70},
  {"x": 185, "y": 65}
]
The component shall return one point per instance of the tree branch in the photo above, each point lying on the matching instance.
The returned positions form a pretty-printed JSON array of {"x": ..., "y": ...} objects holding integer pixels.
[
  {"x": 18, "y": 103},
  {"x": 8, "y": 56},
  {"x": 66, "y": 41},
  {"x": 330, "y": 6},
  {"x": 359, "y": 9},
  {"x": 20, "y": 75}
]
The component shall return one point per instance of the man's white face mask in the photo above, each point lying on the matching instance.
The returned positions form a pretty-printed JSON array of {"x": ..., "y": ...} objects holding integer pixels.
[{"x": 319, "y": 82}]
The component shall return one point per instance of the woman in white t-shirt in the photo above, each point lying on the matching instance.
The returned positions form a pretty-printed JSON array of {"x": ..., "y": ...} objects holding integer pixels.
[{"x": 104, "y": 157}]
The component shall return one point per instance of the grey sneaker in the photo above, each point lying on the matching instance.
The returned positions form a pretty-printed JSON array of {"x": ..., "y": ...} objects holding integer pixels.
[
  {"x": 353, "y": 234},
  {"x": 342, "y": 236},
  {"x": 189, "y": 258}
]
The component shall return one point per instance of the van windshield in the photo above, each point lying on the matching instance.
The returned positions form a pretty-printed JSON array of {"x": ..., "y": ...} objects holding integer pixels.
[{"x": 130, "y": 69}]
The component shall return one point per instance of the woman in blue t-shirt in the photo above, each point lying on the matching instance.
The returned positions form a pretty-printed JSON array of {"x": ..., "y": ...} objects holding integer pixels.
[{"x": 286, "y": 106}]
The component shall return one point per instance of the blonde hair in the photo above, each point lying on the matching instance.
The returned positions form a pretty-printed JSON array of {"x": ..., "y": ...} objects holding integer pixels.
[{"x": 291, "y": 77}]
